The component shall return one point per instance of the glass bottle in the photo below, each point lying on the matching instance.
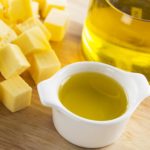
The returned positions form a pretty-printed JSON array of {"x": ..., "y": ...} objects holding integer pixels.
[{"x": 117, "y": 32}]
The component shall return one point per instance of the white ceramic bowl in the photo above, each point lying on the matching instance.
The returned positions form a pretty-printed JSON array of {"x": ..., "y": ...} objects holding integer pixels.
[{"x": 84, "y": 132}]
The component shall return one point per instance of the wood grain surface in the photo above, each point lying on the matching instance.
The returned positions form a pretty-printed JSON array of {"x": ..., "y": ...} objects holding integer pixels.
[{"x": 33, "y": 129}]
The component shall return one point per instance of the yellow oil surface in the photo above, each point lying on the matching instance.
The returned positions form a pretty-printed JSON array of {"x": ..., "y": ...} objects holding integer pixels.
[
  {"x": 93, "y": 96},
  {"x": 117, "y": 32}
]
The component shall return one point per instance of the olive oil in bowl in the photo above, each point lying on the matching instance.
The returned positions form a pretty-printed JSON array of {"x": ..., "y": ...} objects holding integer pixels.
[{"x": 93, "y": 96}]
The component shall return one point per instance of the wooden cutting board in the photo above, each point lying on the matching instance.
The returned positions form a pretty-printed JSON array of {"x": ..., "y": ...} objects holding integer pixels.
[{"x": 33, "y": 129}]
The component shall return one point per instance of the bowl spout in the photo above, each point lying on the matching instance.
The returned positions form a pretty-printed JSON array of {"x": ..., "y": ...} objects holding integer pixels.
[{"x": 48, "y": 92}]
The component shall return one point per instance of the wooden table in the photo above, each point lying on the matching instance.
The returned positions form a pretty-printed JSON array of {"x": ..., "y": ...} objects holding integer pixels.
[{"x": 33, "y": 129}]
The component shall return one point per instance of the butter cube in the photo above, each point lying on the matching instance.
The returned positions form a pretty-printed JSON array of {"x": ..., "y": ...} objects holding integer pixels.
[
  {"x": 49, "y": 4},
  {"x": 56, "y": 22},
  {"x": 32, "y": 22},
  {"x": 41, "y": 3},
  {"x": 3, "y": 14},
  {"x": 1, "y": 11},
  {"x": 6, "y": 33},
  {"x": 43, "y": 65},
  {"x": 35, "y": 8},
  {"x": 33, "y": 40},
  {"x": 5, "y": 3},
  {"x": 15, "y": 93},
  {"x": 19, "y": 10},
  {"x": 12, "y": 61}
]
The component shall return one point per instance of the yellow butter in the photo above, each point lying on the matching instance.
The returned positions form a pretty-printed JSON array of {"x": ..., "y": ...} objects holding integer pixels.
[
  {"x": 32, "y": 22},
  {"x": 49, "y": 4},
  {"x": 3, "y": 16},
  {"x": 35, "y": 8},
  {"x": 43, "y": 65},
  {"x": 41, "y": 3},
  {"x": 5, "y": 3},
  {"x": 19, "y": 10},
  {"x": 6, "y": 33},
  {"x": 33, "y": 40},
  {"x": 15, "y": 93},
  {"x": 12, "y": 61},
  {"x": 1, "y": 11},
  {"x": 56, "y": 22}
]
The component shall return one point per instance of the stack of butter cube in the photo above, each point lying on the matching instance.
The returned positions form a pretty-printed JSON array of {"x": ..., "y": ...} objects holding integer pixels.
[{"x": 26, "y": 29}]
